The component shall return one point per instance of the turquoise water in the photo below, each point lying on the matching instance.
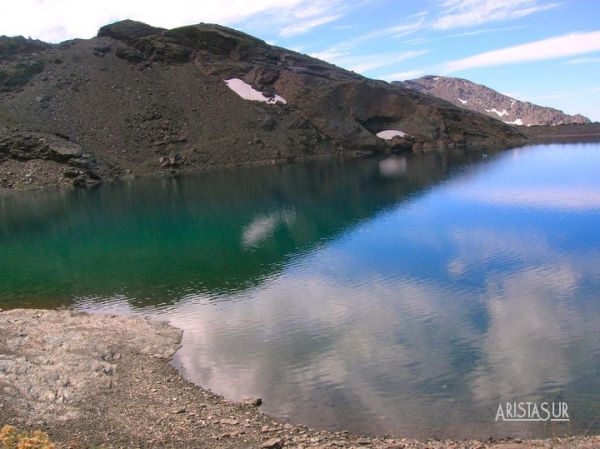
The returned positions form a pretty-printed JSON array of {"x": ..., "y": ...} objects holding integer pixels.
[{"x": 408, "y": 295}]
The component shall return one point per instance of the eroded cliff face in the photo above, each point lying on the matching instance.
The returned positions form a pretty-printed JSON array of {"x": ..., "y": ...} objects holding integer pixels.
[
  {"x": 482, "y": 99},
  {"x": 138, "y": 99}
]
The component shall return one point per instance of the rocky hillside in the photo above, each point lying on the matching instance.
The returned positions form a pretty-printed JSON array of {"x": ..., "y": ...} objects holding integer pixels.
[
  {"x": 573, "y": 132},
  {"x": 479, "y": 98},
  {"x": 137, "y": 99}
]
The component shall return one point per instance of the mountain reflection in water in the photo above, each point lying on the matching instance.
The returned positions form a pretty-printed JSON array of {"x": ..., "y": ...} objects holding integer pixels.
[{"x": 408, "y": 295}]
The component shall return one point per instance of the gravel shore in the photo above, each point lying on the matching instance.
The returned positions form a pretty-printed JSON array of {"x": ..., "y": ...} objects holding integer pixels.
[{"x": 105, "y": 381}]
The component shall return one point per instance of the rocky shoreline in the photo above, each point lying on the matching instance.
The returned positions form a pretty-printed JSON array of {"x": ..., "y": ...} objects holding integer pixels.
[
  {"x": 105, "y": 381},
  {"x": 569, "y": 133}
]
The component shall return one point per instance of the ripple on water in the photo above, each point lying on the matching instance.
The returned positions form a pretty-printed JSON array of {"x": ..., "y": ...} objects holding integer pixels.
[{"x": 408, "y": 297}]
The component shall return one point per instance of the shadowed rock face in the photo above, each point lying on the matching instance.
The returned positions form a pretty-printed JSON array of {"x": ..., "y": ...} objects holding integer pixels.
[
  {"x": 14, "y": 46},
  {"x": 136, "y": 96},
  {"x": 71, "y": 165},
  {"x": 479, "y": 98},
  {"x": 15, "y": 68}
]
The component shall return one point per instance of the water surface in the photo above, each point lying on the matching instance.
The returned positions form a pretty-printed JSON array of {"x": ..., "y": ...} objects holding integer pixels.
[{"x": 408, "y": 295}]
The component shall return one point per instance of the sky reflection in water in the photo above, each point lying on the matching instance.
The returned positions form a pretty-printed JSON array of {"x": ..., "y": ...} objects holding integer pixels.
[{"x": 407, "y": 295}]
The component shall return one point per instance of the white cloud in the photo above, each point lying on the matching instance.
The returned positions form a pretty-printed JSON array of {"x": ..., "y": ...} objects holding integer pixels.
[
  {"x": 401, "y": 76},
  {"x": 342, "y": 55},
  {"x": 552, "y": 48},
  {"x": 311, "y": 11},
  {"x": 583, "y": 61},
  {"x": 403, "y": 30},
  {"x": 415, "y": 23},
  {"x": 365, "y": 63},
  {"x": 485, "y": 31},
  {"x": 568, "y": 94},
  {"x": 579, "y": 199},
  {"x": 416, "y": 41},
  {"x": 307, "y": 25},
  {"x": 57, "y": 20},
  {"x": 329, "y": 54},
  {"x": 516, "y": 95},
  {"x": 372, "y": 62},
  {"x": 464, "y": 13},
  {"x": 480, "y": 11}
]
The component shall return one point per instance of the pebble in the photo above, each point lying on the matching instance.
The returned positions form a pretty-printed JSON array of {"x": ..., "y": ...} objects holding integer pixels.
[
  {"x": 229, "y": 422},
  {"x": 273, "y": 443}
]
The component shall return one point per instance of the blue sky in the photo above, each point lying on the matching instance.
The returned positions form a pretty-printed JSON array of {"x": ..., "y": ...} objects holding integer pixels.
[{"x": 547, "y": 52}]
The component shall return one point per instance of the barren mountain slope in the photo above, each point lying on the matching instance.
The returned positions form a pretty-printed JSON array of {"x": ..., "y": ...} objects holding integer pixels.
[
  {"x": 138, "y": 99},
  {"x": 479, "y": 98}
]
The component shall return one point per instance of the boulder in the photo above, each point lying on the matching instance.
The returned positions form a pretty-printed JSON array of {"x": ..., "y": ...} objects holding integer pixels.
[
  {"x": 129, "y": 54},
  {"x": 255, "y": 402},
  {"x": 62, "y": 151},
  {"x": 162, "y": 48},
  {"x": 404, "y": 143}
]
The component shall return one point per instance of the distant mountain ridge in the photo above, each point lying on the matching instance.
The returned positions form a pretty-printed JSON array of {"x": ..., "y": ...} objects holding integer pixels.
[{"x": 479, "y": 98}]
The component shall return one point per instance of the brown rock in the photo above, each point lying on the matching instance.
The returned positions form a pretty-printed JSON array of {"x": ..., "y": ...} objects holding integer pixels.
[
  {"x": 273, "y": 443},
  {"x": 256, "y": 402},
  {"x": 229, "y": 422}
]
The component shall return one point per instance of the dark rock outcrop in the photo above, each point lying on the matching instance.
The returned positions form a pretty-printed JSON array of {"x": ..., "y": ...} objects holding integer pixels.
[
  {"x": 11, "y": 47},
  {"x": 128, "y": 30},
  {"x": 27, "y": 145},
  {"x": 79, "y": 167},
  {"x": 479, "y": 98},
  {"x": 16, "y": 74}
]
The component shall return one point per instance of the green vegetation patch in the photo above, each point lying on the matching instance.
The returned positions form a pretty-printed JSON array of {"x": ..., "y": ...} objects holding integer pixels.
[
  {"x": 18, "y": 74},
  {"x": 11, "y": 46}
]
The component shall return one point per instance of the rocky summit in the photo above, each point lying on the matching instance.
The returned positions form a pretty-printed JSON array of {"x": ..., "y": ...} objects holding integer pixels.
[
  {"x": 139, "y": 100},
  {"x": 482, "y": 99}
]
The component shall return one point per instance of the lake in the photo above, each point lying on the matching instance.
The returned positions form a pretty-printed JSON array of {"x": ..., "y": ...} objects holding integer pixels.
[{"x": 409, "y": 295}]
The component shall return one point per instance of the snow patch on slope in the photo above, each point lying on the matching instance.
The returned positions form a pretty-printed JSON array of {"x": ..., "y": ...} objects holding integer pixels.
[
  {"x": 462, "y": 101},
  {"x": 515, "y": 122},
  {"x": 247, "y": 92},
  {"x": 389, "y": 134},
  {"x": 500, "y": 114}
]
